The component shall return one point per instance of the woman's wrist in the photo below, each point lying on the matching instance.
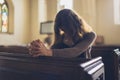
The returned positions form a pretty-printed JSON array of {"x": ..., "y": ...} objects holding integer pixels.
[{"x": 49, "y": 52}]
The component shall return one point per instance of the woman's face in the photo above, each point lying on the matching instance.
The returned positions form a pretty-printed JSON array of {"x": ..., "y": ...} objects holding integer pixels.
[{"x": 67, "y": 39}]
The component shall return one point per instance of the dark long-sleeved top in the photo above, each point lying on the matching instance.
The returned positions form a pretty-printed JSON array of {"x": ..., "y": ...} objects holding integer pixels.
[{"x": 81, "y": 47}]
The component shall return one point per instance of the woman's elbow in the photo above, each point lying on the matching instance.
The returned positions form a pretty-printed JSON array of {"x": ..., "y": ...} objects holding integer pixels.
[
  {"x": 94, "y": 36},
  {"x": 91, "y": 38}
]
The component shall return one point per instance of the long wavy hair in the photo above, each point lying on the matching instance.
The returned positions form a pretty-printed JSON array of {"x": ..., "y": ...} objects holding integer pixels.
[{"x": 72, "y": 24}]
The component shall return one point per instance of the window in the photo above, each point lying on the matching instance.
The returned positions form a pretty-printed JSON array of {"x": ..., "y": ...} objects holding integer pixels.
[
  {"x": 47, "y": 27},
  {"x": 62, "y": 4},
  {"x": 3, "y": 16},
  {"x": 117, "y": 11}
]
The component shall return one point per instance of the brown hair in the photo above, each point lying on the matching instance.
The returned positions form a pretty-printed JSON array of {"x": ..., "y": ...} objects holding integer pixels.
[{"x": 73, "y": 24}]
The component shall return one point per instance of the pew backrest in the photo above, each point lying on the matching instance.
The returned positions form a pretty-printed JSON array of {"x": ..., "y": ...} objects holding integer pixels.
[{"x": 24, "y": 67}]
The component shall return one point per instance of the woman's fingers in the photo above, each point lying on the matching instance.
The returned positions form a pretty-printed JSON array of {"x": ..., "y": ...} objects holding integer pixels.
[
  {"x": 37, "y": 55},
  {"x": 37, "y": 48},
  {"x": 36, "y": 43},
  {"x": 32, "y": 49}
]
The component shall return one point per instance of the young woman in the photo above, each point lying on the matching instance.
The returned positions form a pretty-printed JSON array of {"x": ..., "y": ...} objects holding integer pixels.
[{"x": 73, "y": 37}]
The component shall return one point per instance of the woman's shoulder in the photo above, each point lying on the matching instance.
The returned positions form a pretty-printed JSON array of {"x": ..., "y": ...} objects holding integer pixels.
[{"x": 87, "y": 36}]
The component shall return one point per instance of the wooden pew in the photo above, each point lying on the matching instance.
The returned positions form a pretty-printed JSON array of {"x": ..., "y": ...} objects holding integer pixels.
[
  {"x": 24, "y": 67},
  {"x": 110, "y": 60},
  {"x": 14, "y": 49}
]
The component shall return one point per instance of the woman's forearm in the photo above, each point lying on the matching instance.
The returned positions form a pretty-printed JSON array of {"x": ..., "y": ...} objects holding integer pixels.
[{"x": 77, "y": 50}]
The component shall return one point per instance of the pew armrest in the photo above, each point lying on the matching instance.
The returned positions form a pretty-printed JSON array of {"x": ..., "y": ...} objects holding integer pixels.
[{"x": 95, "y": 68}]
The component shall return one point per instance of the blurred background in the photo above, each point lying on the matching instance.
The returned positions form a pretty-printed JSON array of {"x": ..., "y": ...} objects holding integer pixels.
[{"x": 25, "y": 18}]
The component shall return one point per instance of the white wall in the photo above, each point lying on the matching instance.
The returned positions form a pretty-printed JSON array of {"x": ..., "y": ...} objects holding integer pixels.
[
  {"x": 41, "y": 10},
  {"x": 99, "y": 14},
  {"x": 87, "y": 10},
  {"x": 21, "y": 24},
  {"x": 38, "y": 15},
  {"x": 29, "y": 13},
  {"x": 105, "y": 22}
]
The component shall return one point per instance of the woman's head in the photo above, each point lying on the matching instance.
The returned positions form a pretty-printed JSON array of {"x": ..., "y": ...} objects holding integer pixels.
[
  {"x": 70, "y": 23},
  {"x": 67, "y": 21}
]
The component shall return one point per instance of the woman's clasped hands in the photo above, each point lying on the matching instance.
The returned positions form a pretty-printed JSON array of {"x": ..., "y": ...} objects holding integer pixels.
[{"x": 37, "y": 48}]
